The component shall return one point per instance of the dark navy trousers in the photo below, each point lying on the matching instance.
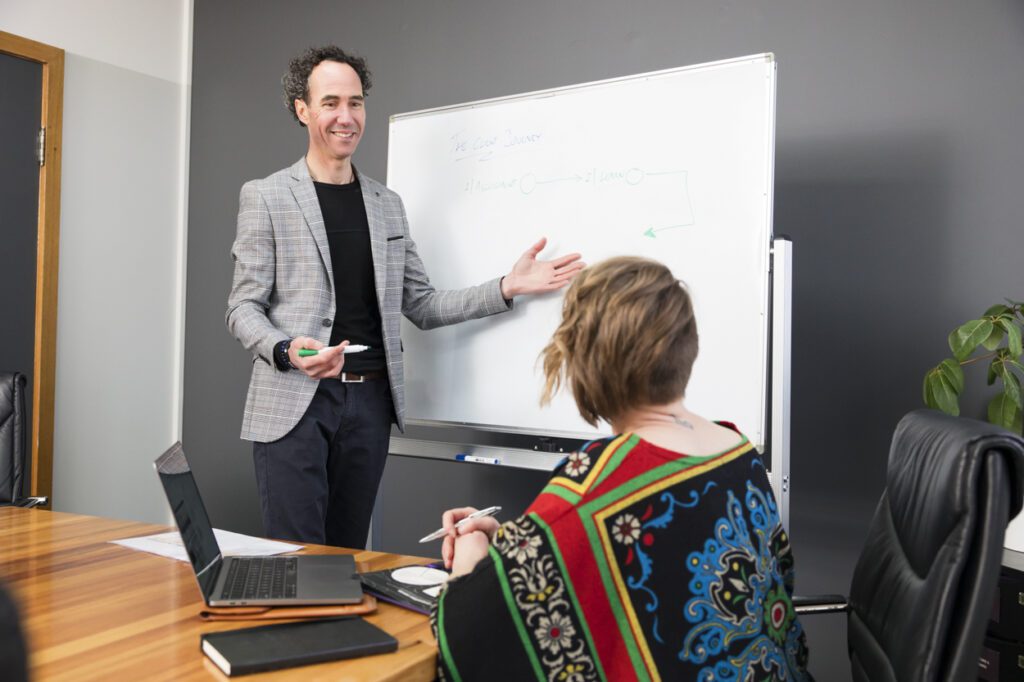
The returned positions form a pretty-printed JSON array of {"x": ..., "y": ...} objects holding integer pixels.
[{"x": 319, "y": 482}]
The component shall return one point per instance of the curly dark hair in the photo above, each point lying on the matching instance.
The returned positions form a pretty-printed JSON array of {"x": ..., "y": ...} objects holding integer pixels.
[{"x": 296, "y": 80}]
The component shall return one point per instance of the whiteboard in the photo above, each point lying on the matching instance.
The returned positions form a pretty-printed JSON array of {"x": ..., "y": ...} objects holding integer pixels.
[{"x": 674, "y": 165}]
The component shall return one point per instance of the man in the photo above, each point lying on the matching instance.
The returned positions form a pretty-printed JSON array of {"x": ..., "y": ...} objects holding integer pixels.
[{"x": 323, "y": 257}]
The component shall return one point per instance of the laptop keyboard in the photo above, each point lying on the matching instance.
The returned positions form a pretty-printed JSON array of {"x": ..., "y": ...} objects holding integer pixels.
[{"x": 261, "y": 578}]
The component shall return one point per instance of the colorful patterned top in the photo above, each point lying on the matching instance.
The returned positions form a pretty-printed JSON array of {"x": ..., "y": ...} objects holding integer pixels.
[{"x": 634, "y": 563}]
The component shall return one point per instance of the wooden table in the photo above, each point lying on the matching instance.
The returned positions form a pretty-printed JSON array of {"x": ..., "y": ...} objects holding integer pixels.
[{"x": 95, "y": 610}]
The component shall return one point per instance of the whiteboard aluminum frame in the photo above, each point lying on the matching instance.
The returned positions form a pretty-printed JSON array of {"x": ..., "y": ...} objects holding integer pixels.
[
  {"x": 766, "y": 248},
  {"x": 550, "y": 92},
  {"x": 782, "y": 365}
]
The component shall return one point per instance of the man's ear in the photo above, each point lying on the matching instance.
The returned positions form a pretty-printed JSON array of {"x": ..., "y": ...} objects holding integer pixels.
[{"x": 302, "y": 110}]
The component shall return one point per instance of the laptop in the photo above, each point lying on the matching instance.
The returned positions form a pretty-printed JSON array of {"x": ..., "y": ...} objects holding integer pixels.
[{"x": 249, "y": 581}]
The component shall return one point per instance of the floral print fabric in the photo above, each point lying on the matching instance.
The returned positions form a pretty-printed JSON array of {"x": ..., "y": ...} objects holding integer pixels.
[{"x": 633, "y": 563}]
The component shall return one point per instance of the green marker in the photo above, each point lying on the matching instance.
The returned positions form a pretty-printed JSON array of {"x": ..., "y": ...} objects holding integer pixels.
[{"x": 306, "y": 352}]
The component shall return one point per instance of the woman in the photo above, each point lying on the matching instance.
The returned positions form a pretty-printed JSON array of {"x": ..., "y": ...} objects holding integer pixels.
[{"x": 656, "y": 553}]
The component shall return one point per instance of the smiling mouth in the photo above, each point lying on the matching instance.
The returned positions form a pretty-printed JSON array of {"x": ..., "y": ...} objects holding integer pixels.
[{"x": 345, "y": 135}]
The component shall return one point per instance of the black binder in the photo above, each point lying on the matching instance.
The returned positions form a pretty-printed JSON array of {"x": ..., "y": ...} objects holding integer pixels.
[
  {"x": 386, "y": 588},
  {"x": 284, "y": 645}
]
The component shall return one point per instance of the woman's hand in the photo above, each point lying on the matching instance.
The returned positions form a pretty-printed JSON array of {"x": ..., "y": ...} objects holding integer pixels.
[
  {"x": 486, "y": 525},
  {"x": 470, "y": 548}
]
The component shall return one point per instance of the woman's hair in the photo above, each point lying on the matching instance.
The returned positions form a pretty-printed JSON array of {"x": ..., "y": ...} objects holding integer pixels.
[{"x": 628, "y": 339}]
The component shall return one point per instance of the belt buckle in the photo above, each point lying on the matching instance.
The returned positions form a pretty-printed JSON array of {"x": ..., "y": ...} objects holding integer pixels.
[{"x": 345, "y": 378}]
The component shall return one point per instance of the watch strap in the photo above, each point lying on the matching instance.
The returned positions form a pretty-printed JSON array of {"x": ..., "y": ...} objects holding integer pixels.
[{"x": 281, "y": 358}]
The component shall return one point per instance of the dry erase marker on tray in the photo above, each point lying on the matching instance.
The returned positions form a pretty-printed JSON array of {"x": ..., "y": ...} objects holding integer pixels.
[
  {"x": 305, "y": 352},
  {"x": 478, "y": 460}
]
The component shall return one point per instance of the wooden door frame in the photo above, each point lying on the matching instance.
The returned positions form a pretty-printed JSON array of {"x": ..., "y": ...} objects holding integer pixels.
[{"x": 48, "y": 232}]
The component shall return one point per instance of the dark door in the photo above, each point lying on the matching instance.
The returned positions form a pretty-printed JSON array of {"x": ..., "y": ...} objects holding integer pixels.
[{"x": 20, "y": 97}]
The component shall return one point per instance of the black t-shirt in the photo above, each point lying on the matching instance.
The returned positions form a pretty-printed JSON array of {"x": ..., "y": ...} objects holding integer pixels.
[{"x": 357, "y": 317}]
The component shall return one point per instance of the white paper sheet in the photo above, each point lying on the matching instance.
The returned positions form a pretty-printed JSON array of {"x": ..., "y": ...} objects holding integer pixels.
[{"x": 231, "y": 544}]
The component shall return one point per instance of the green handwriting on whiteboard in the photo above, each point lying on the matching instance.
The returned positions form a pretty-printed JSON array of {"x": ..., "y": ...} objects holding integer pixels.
[
  {"x": 652, "y": 231},
  {"x": 485, "y": 147},
  {"x": 592, "y": 177}
]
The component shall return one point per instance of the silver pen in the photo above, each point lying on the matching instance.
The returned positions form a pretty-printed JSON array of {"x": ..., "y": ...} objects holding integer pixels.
[{"x": 441, "y": 532}]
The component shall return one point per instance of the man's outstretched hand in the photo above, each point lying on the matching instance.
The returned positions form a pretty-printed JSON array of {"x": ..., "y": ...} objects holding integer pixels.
[{"x": 532, "y": 276}]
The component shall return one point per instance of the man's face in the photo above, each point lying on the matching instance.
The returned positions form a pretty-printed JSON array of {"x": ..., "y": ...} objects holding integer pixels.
[{"x": 334, "y": 115}]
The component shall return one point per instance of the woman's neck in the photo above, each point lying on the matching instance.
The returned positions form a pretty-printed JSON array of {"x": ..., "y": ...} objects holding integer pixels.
[
  {"x": 671, "y": 415},
  {"x": 673, "y": 427}
]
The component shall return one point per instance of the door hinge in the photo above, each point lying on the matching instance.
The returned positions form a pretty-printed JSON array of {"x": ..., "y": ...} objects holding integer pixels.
[{"x": 41, "y": 149}]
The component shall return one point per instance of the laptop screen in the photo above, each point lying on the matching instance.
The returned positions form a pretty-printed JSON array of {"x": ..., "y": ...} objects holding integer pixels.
[{"x": 190, "y": 515}]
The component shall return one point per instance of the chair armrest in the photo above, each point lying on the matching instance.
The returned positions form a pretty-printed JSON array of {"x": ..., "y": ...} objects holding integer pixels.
[
  {"x": 29, "y": 502},
  {"x": 820, "y": 603}
]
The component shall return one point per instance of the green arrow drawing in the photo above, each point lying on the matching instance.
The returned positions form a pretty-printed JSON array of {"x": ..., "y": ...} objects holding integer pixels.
[{"x": 651, "y": 231}]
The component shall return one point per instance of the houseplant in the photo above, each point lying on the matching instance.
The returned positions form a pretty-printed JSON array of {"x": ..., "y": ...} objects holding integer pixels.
[{"x": 995, "y": 337}]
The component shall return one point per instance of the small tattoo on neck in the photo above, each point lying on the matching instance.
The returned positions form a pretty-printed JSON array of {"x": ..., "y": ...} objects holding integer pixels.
[{"x": 682, "y": 422}]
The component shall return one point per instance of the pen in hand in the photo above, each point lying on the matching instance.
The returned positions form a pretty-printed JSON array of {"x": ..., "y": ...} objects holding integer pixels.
[
  {"x": 441, "y": 532},
  {"x": 306, "y": 352}
]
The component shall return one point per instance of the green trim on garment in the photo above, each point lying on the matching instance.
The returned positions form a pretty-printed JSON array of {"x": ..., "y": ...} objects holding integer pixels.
[
  {"x": 616, "y": 459},
  {"x": 571, "y": 590},
  {"x": 567, "y": 495},
  {"x": 513, "y": 609},
  {"x": 442, "y": 641},
  {"x": 614, "y": 600}
]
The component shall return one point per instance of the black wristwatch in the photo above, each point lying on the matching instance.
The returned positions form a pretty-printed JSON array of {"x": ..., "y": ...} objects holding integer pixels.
[{"x": 281, "y": 359}]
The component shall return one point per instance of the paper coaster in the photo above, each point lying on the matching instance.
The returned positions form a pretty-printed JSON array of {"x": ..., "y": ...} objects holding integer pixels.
[{"x": 419, "y": 575}]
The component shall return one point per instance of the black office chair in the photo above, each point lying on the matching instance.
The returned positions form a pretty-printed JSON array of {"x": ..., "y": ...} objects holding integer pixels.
[
  {"x": 924, "y": 585},
  {"x": 12, "y": 441}
]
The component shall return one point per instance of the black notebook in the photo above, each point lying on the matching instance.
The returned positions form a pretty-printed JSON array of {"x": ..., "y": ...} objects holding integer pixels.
[{"x": 283, "y": 645}]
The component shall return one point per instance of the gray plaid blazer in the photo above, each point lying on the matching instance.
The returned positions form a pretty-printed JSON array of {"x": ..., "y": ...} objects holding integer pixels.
[{"x": 283, "y": 287}]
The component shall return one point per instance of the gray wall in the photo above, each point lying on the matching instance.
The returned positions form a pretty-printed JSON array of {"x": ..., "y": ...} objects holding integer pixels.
[
  {"x": 897, "y": 175},
  {"x": 120, "y": 313}
]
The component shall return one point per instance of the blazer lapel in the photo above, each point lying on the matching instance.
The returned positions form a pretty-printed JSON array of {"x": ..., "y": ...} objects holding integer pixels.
[
  {"x": 305, "y": 197},
  {"x": 378, "y": 233}
]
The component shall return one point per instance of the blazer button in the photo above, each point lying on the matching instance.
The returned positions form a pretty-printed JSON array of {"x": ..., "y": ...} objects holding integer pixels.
[{"x": 327, "y": 322}]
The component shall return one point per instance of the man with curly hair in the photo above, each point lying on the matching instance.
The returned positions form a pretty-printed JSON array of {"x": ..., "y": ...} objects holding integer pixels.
[{"x": 323, "y": 258}]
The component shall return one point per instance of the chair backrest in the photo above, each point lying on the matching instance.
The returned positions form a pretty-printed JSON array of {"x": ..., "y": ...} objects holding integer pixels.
[
  {"x": 924, "y": 585},
  {"x": 12, "y": 435}
]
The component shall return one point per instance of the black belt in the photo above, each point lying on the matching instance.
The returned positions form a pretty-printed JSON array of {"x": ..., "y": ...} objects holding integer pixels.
[{"x": 349, "y": 378}]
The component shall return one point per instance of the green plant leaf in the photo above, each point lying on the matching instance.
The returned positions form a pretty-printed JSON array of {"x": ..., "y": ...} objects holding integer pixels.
[
  {"x": 943, "y": 394},
  {"x": 994, "y": 339},
  {"x": 954, "y": 341},
  {"x": 1013, "y": 337},
  {"x": 993, "y": 370},
  {"x": 933, "y": 383},
  {"x": 997, "y": 309},
  {"x": 926, "y": 391},
  {"x": 969, "y": 335},
  {"x": 1011, "y": 385},
  {"x": 1005, "y": 413},
  {"x": 954, "y": 373}
]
